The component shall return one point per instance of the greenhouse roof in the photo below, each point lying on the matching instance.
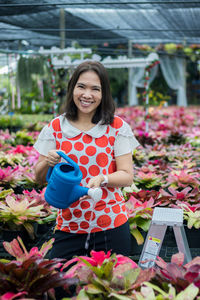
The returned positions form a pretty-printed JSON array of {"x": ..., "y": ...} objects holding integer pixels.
[{"x": 31, "y": 24}]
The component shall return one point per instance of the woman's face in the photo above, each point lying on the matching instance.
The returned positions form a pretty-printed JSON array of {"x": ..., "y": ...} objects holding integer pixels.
[{"x": 87, "y": 93}]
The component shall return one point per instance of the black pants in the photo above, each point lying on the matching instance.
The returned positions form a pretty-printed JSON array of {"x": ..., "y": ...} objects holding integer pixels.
[{"x": 67, "y": 245}]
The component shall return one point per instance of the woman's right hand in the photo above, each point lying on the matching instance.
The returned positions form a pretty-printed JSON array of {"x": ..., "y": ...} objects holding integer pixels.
[{"x": 52, "y": 158}]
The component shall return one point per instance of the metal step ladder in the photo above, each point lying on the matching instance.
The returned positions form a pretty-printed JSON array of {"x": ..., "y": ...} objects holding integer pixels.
[{"x": 163, "y": 217}]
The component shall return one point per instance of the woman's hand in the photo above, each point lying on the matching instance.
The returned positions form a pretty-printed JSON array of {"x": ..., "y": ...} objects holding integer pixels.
[
  {"x": 52, "y": 158},
  {"x": 84, "y": 198},
  {"x": 95, "y": 182}
]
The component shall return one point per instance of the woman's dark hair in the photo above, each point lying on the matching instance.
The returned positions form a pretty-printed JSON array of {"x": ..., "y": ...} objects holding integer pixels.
[{"x": 105, "y": 110}]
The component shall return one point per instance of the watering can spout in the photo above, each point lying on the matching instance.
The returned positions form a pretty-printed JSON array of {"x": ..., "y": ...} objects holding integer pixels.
[{"x": 80, "y": 191}]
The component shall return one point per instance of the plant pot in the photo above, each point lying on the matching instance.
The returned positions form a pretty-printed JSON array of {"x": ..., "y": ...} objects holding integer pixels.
[
  {"x": 8, "y": 235},
  {"x": 43, "y": 233}
]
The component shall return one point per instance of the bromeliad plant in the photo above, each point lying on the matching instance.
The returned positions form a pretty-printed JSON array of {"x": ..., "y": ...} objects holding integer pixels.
[
  {"x": 9, "y": 177},
  {"x": 191, "y": 215},
  {"x": 106, "y": 276},
  {"x": 22, "y": 211},
  {"x": 182, "y": 179},
  {"x": 151, "y": 291},
  {"x": 177, "y": 274},
  {"x": 10, "y": 159},
  {"x": 173, "y": 196},
  {"x": 147, "y": 180},
  {"x": 31, "y": 275},
  {"x": 30, "y": 156},
  {"x": 23, "y": 138}
]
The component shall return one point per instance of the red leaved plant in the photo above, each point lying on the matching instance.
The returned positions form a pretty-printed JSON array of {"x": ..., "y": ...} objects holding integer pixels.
[
  {"x": 31, "y": 275},
  {"x": 176, "y": 273},
  {"x": 183, "y": 179}
]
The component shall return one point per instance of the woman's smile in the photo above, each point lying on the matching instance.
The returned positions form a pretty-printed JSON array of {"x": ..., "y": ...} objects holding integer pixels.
[
  {"x": 86, "y": 103},
  {"x": 87, "y": 93}
]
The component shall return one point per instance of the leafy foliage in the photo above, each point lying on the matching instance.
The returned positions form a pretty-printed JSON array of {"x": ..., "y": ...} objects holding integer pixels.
[
  {"x": 107, "y": 276},
  {"x": 178, "y": 274},
  {"x": 30, "y": 275}
]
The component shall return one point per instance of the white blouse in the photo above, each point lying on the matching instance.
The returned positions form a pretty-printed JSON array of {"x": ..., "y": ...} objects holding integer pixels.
[{"x": 124, "y": 143}]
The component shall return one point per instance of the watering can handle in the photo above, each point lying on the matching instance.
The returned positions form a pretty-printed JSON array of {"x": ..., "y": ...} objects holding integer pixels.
[
  {"x": 50, "y": 169},
  {"x": 69, "y": 160}
]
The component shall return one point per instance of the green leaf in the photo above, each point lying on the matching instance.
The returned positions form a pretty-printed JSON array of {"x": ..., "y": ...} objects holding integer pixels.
[
  {"x": 131, "y": 277},
  {"x": 108, "y": 269},
  {"x": 30, "y": 229},
  {"x": 137, "y": 235},
  {"x": 82, "y": 295},
  {"x": 156, "y": 288},
  {"x": 92, "y": 289},
  {"x": 120, "y": 297},
  {"x": 103, "y": 285},
  {"x": 5, "y": 193},
  {"x": 97, "y": 271},
  {"x": 189, "y": 293},
  {"x": 143, "y": 223}
]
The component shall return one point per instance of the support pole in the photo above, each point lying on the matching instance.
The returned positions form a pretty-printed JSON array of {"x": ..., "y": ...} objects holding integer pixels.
[
  {"x": 147, "y": 103},
  {"x": 62, "y": 28},
  {"x": 130, "y": 54},
  {"x": 9, "y": 83}
]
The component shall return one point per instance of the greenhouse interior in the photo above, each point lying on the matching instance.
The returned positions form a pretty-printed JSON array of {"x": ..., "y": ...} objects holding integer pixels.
[{"x": 100, "y": 149}]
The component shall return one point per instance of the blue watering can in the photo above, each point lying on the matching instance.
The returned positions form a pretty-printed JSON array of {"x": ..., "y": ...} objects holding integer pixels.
[{"x": 63, "y": 186}]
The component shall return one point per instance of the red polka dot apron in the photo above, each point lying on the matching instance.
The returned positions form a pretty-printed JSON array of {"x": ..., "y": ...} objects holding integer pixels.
[{"x": 93, "y": 151}]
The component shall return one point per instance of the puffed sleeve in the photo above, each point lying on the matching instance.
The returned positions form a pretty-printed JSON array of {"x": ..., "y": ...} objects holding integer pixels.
[
  {"x": 45, "y": 141},
  {"x": 125, "y": 141}
]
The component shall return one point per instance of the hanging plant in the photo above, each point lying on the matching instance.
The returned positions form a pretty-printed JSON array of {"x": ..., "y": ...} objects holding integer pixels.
[
  {"x": 36, "y": 65},
  {"x": 23, "y": 75},
  {"x": 26, "y": 67}
]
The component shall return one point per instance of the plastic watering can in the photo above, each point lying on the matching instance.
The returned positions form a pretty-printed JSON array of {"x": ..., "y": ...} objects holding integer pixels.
[{"x": 63, "y": 186}]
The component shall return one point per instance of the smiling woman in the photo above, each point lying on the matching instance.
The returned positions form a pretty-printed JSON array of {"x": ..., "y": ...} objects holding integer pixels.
[{"x": 101, "y": 144}]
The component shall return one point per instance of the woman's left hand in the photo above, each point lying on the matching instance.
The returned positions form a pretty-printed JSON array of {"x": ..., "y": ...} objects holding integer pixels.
[
  {"x": 95, "y": 182},
  {"x": 84, "y": 198}
]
